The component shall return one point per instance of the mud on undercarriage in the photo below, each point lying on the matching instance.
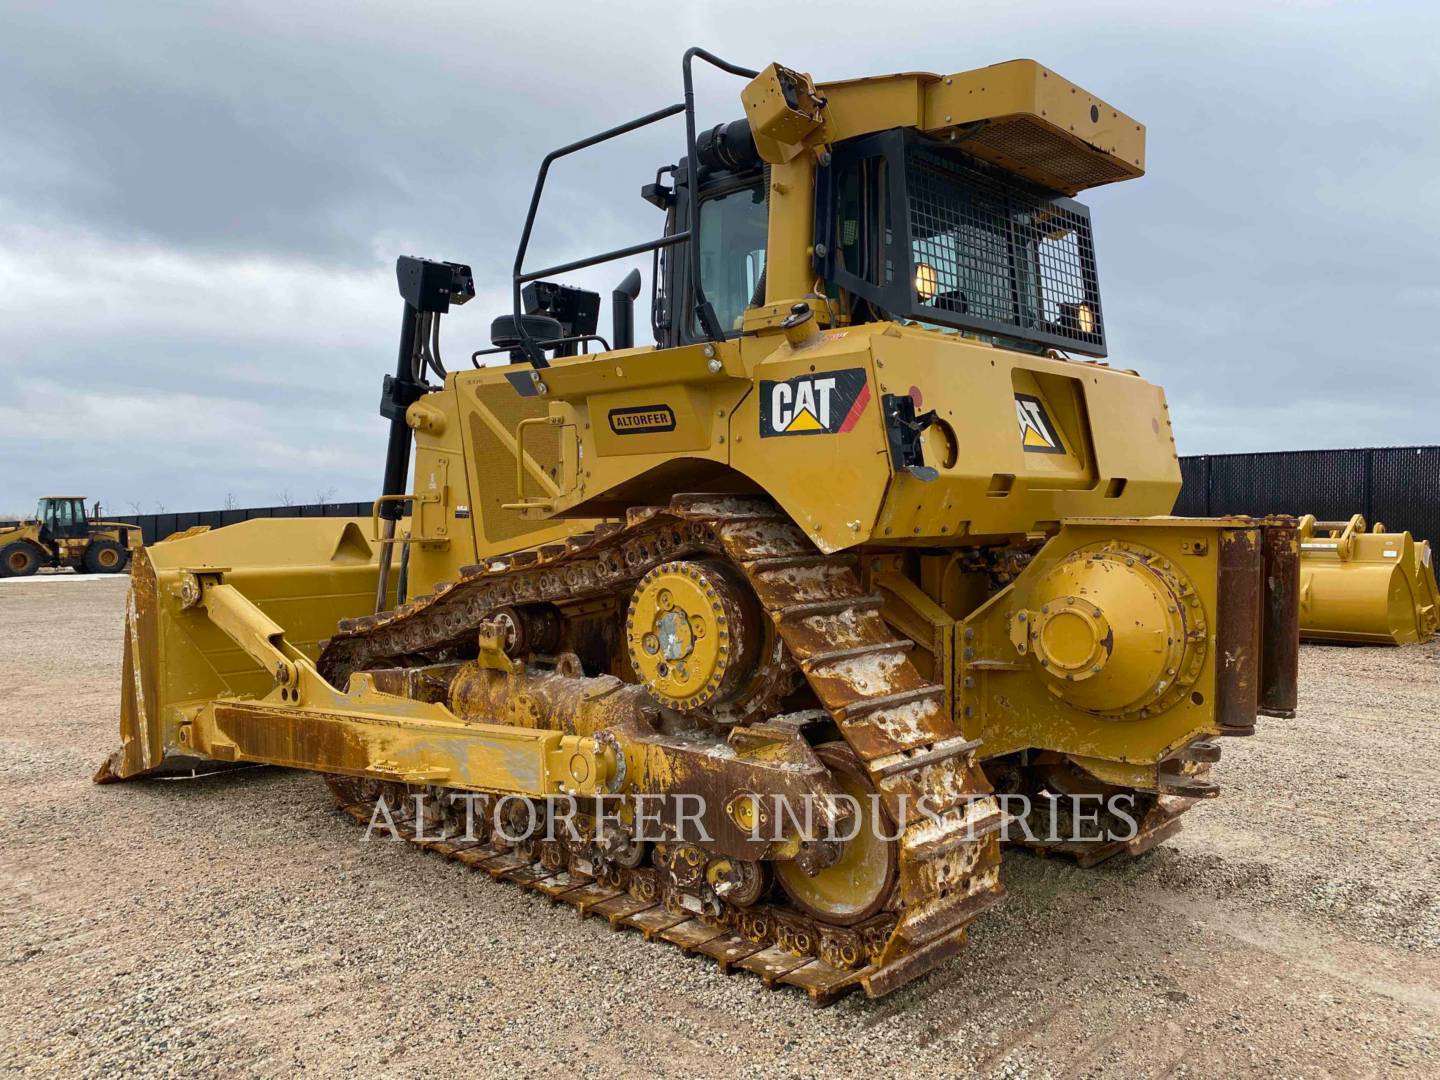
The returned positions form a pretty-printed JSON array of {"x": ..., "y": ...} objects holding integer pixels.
[{"x": 830, "y": 683}]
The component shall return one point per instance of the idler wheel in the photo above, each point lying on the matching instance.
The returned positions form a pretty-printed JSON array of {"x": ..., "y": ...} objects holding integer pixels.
[{"x": 858, "y": 883}]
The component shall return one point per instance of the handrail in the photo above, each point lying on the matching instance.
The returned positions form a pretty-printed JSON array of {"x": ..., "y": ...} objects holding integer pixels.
[
  {"x": 528, "y": 345},
  {"x": 704, "y": 313},
  {"x": 549, "y": 343},
  {"x": 375, "y": 537},
  {"x": 524, "y": 503},
  {"x": 533, "y": 350}
]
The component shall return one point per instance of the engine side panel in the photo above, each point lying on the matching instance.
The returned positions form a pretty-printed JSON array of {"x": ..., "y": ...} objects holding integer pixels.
[{"x": 1017, "y": 442}]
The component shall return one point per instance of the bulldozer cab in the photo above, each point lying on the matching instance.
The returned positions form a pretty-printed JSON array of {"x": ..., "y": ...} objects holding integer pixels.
[
  {"x": 62, "y": 517},
  {"x": 938, "y": 202},
  {"x": 965, "y": 227}
]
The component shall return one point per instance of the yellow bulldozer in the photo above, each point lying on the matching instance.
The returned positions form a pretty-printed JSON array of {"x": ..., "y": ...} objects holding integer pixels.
[
  {"x": 760, "y": 639},
  {"x": 62, "y": 534},
  {"x": 1365, "y": 587}
]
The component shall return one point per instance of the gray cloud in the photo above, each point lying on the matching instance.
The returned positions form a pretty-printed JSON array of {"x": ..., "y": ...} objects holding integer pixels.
[{"x": 199, "y": 207}]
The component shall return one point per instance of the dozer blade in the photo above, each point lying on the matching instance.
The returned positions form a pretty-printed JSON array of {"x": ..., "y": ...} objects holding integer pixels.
[{"x": 304, "y": 574}]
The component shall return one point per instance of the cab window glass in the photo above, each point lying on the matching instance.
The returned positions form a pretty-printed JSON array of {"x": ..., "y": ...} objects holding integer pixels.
[
  {"x": 863, "y": 226},
  {"x": 732, "y": 251}
]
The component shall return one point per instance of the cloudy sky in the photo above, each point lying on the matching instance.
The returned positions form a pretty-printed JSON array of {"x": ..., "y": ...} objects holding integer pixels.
[{"x": 200, "y": 206}]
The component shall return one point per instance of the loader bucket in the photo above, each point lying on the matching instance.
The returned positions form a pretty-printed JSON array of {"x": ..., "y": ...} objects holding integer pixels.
[
  {"x": 1375, "y": 588},
  {"x": 305, "y": 573}
]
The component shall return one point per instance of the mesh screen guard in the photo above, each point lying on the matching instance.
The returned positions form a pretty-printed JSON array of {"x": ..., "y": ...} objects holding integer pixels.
[{"x": 973, "y": 247}]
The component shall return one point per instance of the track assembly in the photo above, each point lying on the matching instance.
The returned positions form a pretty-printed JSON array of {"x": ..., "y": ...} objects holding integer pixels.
[
  {"x": 694, "y": 567},
  {"x": 780, "y": 946}
]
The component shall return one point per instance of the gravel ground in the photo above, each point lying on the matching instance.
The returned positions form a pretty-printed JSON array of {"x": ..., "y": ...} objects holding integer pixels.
[{"x": 239, "y": 925}]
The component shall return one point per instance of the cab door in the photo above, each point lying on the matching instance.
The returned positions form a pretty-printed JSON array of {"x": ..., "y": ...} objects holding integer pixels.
[{"x": 734, "y": 222}]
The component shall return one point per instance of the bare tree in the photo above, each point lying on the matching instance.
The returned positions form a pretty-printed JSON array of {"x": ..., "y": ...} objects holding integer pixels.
[
  {"x": 135, "y": 506},
  {"x": 159, "y": 507},
  {"x": 230, "y": 501},
  {"x": 286, "y": 499},
  {"x": 325, "y": 497}
]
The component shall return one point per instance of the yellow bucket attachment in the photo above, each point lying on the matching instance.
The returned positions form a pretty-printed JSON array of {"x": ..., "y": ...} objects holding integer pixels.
[{"x": 1375, "y": 587}]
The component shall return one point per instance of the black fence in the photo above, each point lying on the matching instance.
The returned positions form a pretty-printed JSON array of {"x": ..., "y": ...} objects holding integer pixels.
[
  {"x": 1399, "y": 485},
  {"x": 158, "y": 526}
]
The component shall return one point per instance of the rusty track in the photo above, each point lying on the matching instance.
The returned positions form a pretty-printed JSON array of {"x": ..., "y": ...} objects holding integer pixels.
[
  {"x": 1160, "y": 822},
  {"x": 779, "y": 945},
  {"x": 1156, "y": 816},
  {"x": 895, "y": 722}
]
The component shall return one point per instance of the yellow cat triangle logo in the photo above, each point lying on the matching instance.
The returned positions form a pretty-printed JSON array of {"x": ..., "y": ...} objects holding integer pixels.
[
  {"x": 1034, "y": 438},
  {"x": 804, "y": 421},
  {"x": 1037, "y": 433}
]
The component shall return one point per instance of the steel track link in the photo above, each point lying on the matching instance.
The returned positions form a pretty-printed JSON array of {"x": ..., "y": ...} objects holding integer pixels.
[
  {"x": 781, "y": 947},
  {"x": 1159, "y": 822},
  {"x": 897, "y": 723}
]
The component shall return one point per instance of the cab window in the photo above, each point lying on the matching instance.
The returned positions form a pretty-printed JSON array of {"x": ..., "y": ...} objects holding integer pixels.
[{"x": 732, "y": 251}]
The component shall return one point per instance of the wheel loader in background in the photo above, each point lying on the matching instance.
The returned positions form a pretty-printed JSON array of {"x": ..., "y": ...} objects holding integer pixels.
[
  {"x": 1359, "y": 587},
  {"x": 857, "y": 532},
  {"x": 61, "y": 534}
]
